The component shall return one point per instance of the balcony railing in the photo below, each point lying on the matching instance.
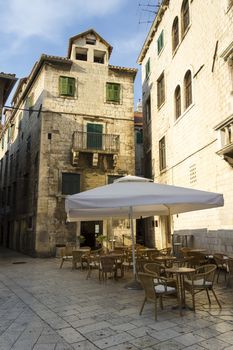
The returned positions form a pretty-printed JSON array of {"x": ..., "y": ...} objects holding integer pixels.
[{"x": 95, "y": 142}]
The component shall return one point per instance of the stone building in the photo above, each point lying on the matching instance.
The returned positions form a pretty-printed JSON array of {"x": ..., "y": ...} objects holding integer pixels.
[
  {"x": 71, "y": 129},
  {"x": 7, "y": 82},
  {"x": 187, "y": 74}
]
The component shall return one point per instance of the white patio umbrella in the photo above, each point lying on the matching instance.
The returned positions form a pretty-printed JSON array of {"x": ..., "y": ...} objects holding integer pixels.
[{"x": 134, "y": 197}]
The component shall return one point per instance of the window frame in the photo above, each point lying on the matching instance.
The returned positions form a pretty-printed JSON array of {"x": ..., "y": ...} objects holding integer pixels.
[
  {"x": 160, "y": 90},
  {"x": 175, "y": 34},
  {"x": 147, "y": 107},
  {"x": 70, "y": 94},
  {"x": 113, "y": 96},
  {"x": 147, "y": 68},
  {"x": 177, "y": 102},
  {"x": 188, "y": 96},
  {"x": 162, "y": 154},
  {"x": 63, "y": 174},
  {"x": 160, "y": 42},
  {"x": 185, "y": 17}
]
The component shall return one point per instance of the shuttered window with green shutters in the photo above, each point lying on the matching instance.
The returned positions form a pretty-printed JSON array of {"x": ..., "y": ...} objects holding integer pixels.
[
  {"x": 70, "y": 183},
  {"x": 148, "y": 68},
  {"x": 160, "y": 42},
  {"x": 113, "y": 92},
  {"x": 94, "y": 136},
  {"x": 67, "y": 86}
]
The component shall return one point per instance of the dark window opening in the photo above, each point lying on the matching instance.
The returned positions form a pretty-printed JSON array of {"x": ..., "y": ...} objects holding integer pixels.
[
  {"x": 160, "y": 90},
  {"x": 175, "y": 34},
  {"x": 177, "y": 102},
  {"x": 70, "y": 183},
  {"x": 188, "y": 89}
]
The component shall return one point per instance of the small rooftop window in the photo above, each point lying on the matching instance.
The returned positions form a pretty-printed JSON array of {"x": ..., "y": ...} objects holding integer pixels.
[
  {"x": 99, "y": 56},
  {"x": 81, "y": 54},
  {"x": 90, "y": 41}
]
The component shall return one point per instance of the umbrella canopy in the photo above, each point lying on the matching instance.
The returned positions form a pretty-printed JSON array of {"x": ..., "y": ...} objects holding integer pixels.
[{"x": 144, "y": 197}]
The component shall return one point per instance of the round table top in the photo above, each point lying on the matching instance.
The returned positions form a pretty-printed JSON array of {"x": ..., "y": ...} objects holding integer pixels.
[
  {"x": 197, "y": 250},
  {"x": 180, "y": 270},
  {"x": 164, "y": 257}
]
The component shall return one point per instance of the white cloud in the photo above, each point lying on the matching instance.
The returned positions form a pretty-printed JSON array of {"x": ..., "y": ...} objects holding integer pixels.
[{"x": 47, "y": 18}]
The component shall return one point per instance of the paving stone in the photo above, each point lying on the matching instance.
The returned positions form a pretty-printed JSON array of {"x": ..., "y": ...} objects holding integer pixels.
[
  {"x": 171, "y": 344},
  {"x": 84, "y": 345},
  {"x": 189, "y": 339},
  {"x": 113, "y": 340},
  {"x": 70, "y": 335},
  {"x": 144, "y": 342},
  {"x": 213, "y": 344},
  {"x": 227, "y": 337}
]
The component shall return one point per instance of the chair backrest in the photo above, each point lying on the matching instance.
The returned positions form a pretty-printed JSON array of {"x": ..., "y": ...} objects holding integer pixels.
[
  {"x": 184, "y": 251},
  {"x": 205, "y": 272},
  {"x": 147, "y": 281},
  {"x": 218, "y": 258},
  {"x": 140, "y": 263},
  {"x": 107, "y": 263},
  {"x": 153, "y": 268},
  {"x": 77, "y": 254},
  {"x": 230, "y": 266}
]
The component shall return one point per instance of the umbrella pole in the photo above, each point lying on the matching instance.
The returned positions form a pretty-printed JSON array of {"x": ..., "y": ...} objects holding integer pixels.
[{"x": 135, "y": 284}]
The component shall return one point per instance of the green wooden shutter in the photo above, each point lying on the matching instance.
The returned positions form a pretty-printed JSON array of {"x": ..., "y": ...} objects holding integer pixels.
[
  {"x": 94, "y": 136},
  {"x": 113, "y": 92},
  {"x": 63, "y": 85},
  {"x": 116, "y": 92},
  {"x": 70, "y": 183},
  {"x": 148, "y": 67},
  {"x": 71, "y": 86}
]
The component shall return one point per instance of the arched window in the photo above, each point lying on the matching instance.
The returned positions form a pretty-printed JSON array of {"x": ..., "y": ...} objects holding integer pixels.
[
  {"x": 185, "y": 16},
  {"x": 175, "y": 34},
  {"x": 188, "y": 89},
  {"x": 177, "y": 97}
]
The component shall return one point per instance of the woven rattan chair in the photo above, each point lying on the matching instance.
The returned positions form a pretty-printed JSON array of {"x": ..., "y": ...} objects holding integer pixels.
[
  {"x": 154, "y": 268},
  {"x": 155, "y": 287},
  {"x": 77, "y": 257},
  {"x": 107, "y": 267},
  {"x": 221, "y": 265},
  {"x": 66, "y": 254},
  {"x": 201, "y": 280}
]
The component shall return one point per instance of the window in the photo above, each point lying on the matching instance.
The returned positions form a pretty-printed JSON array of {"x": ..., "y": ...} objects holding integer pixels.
[
  {"x": 94, "y": 136},
  {"x": 188, "y": 89},
  {"x": 162, "y": 154},
  {"x": 160, "y": 91},
  {"x": 160, "y": 43},
  {"x": 3, "y": 140},
  {"x": 99, "y": 56},
  {"x": 113, "y": 92},
  {"x": 67, "y": 86},
  {"x": 177, "y": 102},
  {"x": 148, "y": 68},
  {"x": 139, "y": 137},
  {"x": 175, "y": 34},
  {"x": 81, "y": 54},
  {"x": 148, "y": 110},
  {"x": 90, "y": 41},
  {"x": 70, "y": 183},
  {"x": 184, "y": 16}
]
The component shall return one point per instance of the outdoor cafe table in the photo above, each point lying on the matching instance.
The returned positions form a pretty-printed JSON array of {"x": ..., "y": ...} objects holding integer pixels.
[
  {"x": 180, "y": 272},
  {"x": 164, "y": 259}
]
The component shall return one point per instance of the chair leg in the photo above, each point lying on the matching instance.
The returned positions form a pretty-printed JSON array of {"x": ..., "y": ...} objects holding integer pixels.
[
  {"x": 207, "y": 292},
  {"x": 220, "y": 306},
  {"x": 161, "y": 302},
  {"x": 62, "y": 262},
  {"x": 193, "y": 300},
  {"x": 142, "y": 306},
  {"x": 218, "y": 275},
  {"x": 155, "y": 309}
]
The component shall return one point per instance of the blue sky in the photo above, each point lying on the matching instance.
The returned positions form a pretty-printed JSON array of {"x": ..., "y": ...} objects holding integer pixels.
[{"x": 30, "y": 28}]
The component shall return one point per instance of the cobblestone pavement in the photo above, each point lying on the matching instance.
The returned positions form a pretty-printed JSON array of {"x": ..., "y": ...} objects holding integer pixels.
[{"x": 43, "y": 307}]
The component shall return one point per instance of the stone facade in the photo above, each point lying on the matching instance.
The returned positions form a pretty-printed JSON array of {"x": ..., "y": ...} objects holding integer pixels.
[
  {"x": 53, "y": 149},
  {"x": 195, "y": 140}
]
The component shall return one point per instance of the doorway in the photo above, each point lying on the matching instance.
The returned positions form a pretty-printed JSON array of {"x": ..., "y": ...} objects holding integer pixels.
[{"x": 90, "y": 230}]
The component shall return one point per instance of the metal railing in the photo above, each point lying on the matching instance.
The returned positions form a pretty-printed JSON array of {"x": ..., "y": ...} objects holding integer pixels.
[{"x": 91, "y": 141}]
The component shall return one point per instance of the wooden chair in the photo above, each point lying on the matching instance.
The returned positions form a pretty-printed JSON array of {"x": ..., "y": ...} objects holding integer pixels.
[
  {"x": 107, "y": 266},
  {"x": 230, "y": 273},
  {"x": 93, "y": 262},
  {"x": 154, "y": 268},
  {"x": 154, "y": 287},
  {"x": 165, "y": 251},
  {"x": 140, "y": 265},
  {"x": 198, "y": 259},
  {"x": 221, "y": 264},
  {"x": 201, "y": 280},
  {"x": 66, "y": 254},
  {"x": 77, "y": 257},
  {"x": 183, "y": 251}
]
